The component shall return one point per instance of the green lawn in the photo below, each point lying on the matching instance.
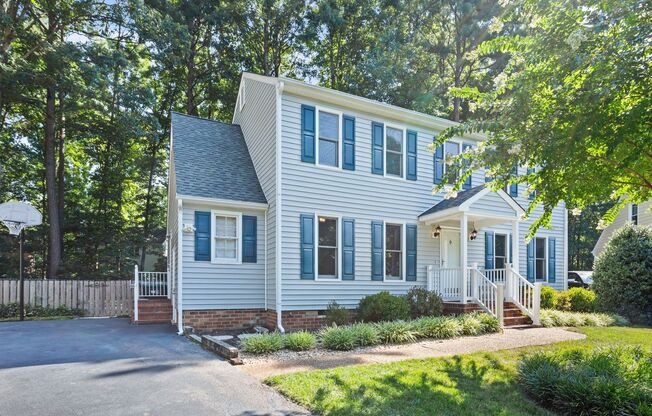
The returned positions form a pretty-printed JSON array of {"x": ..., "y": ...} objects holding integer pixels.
[{"x": 478, "y": 384}]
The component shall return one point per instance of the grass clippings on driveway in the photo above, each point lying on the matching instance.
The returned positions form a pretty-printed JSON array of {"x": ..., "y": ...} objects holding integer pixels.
[{"x": 478, "y": 384}]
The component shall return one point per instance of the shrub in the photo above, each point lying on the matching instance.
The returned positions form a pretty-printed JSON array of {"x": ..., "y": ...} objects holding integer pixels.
[
  {"x": 336, "y": 314},
  {"x": 488, "y": 324},
  {"x": 437, "y": 327},
  {"x": 12, "y": 310},
  {"x": 424, "y": 302},
  {"x": 264, "y": 343},
  {"x": 622, "y": 276},
  {"x": 551, "y": 317},
  {"x": 470, "y": 324},
  {"x": 548, "y": 297},
  {"x": 365, "y": 334},
  {"x": 563, "y": 301},
  {"x": 613, "y": 381},
  {"x": 339, "y": 338},
  {"x": 383, "y": 306},
  {"x": 581, "y": 300},
  {"x": 396, "y": 332},
  {"x": 300, "y": 341}
]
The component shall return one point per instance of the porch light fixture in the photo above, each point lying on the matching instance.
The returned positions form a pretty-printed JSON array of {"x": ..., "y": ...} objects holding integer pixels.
[
  {"x": 474, "y": 233},
  {"x": 437, "y": 232}
]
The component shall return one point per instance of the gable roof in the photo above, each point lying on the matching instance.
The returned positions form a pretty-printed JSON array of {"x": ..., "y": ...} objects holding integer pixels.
[
  {"x": 211, "y": 160},
  {"x": 464, "y": 200},
  {"x": 453, "y": 202}
]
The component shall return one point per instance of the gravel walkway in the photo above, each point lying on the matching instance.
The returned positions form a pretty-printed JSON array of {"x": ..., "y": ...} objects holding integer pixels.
[{"x": 289, "y": 362}]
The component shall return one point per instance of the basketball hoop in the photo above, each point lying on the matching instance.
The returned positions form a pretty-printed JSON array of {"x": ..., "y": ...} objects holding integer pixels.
[{"x": 14, "y": 227}]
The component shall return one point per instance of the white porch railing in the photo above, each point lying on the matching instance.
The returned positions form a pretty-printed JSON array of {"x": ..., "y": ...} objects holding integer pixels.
[
  {"x": 149, "y": 285},
  {"x": 495, "y": 275},
  {"x": 447, "y": 282},
  {"x": 488, "y": 295},
  {"x": 525, "y": 295}
]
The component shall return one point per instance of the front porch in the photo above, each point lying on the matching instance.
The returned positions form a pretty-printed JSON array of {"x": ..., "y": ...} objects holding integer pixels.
[{"x": 456, "y": 222}]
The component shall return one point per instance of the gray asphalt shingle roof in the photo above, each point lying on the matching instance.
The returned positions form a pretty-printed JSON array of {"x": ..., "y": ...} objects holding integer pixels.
[
  {"x": 454, "y": 202},
  {"x": 211, "y": 160}
]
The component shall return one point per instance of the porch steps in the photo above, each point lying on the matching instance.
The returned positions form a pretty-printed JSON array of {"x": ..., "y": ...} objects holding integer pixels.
[
  {"x": 154, "y": 311},
  {"x": 513, "y": 317}
]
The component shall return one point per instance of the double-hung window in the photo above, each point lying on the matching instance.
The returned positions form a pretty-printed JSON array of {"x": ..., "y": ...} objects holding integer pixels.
[
  {"x": 327, "y": 258},
  {"x": 226, "y": 237},
  {"x": 393, "y": 252},
  {"x": 540, "y": 258},
  {"x": 329, "y": 138},
  {"x": 452, "y": 150},
  {"x": 394, "y": 146},
  {"x": 500, "y": 251},
  {"x": 633, "y": 214}
]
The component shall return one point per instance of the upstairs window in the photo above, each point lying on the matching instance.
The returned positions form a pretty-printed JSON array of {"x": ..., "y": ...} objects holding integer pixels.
[
  {"x": 329, "y": 139},
  {"x": 394, "y": 151},
  {"x": 393, "y": 252},
  {"x": 633, "y": 214},
  {"x": 226, "y": 237},
  {"x": 327, "y": 266},
  {"x": 452, "y": 150}
]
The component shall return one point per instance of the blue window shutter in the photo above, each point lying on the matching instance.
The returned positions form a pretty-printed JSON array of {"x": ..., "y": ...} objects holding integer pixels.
[
  {"x": 249, "y": 239},
  {"x": 438, "y": 163},
  {"x": 377, "y": 148},
  {"x": 552, "y": 260},
  {"x": 307, "y": 134},
  {"x": 530, "y": 260},
  {"x": 468, "y": 183},
  {"x": 489, "y": 250},
  {"x": 513, "y": 188},
  {"x": 308, "y": 246},
  {"x": 202, "y": 236},
  {"x": 487, "y": 178},
  {"x": 411, "y": 155},
  {"x": 377, "y": 246},
  {"x": 348, "y": 134},
  {"x": 411, "y": 252},
  {"x": 348, "y": 249},
  {"x": 533, "y": 194},
  {"x": 509, "y": 248}
]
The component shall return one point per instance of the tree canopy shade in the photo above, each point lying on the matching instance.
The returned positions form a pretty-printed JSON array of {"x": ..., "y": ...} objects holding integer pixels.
[{"x": 573, "y": 104}]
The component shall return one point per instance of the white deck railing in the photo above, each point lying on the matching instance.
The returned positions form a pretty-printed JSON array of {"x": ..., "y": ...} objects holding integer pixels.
[
  {"x": 495, "y": 275},
  {"x": 488, "y": 295},
  {"x": 447, "y": 282},
  {"x": 149, "y": 285},
  {"x": 525, "y": 295}
]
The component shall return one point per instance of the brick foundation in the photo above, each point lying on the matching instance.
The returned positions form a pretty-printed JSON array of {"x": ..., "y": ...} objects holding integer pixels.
[{"x": 455, "y": 308}]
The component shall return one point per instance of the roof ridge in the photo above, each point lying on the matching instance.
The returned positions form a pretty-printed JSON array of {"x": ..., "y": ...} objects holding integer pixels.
[{"x": 203, "y": 118}]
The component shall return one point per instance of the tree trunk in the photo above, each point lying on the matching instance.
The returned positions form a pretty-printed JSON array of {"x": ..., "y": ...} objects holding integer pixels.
[
  {"x": 148, "y": 205},
  {"x": 266, "y": 13},
  {"x": 54, "y": 255},
  {"x": 61, "y": 170}
]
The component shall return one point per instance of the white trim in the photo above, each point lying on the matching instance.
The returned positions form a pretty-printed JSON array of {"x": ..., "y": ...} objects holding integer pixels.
[
  {"x": 238, "y": 233},
  {"x": 241, "y": 96},
  {"x": 265, "y": 258},
  {"x": 362, "y": 104},
  {"x": 565, "y": 269},
  {"x": 340, "y": 147},
  {"x": 180, "y": 266},
  {"x": 546, "y": 272},
  {"x": 402, "y": 223},
  {"x": 338, "y": 247},
  {"x": 508, "y": 244},
  {"x": 279, "y": 207},
  {"x": 224, "y": 202},
  {"x": 403, "y": 130}
]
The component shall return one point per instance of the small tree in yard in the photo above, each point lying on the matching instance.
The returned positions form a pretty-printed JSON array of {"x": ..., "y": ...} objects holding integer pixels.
[{"x": 622, "y": 276}]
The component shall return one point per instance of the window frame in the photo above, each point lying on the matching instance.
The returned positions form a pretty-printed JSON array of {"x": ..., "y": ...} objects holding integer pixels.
[
  {"x": 238, "y": 227},
  {"x": 459, "y": 151},
  {"x": 506, "y": 249},
  {"x": 340, "y": 138},
  {"x": 631, "y": 217},
  {"x": 403, "y": 130},
  {"x": 460, "y": 144},
  {"x": 338, "y": 247},
  {"x": 545, "y": 259},
  {"x": 403, "y": 251}
]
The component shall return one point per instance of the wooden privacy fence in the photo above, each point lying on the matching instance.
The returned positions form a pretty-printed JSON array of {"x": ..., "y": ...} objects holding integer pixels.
[{"x": 95, "y": 297}]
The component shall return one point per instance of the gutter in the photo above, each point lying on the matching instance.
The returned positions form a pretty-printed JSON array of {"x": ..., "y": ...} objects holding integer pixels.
[
  {"x": 180, "y": 267},
  {"x": 279, "y": 212},
  {"x": 266, "y": 261}
]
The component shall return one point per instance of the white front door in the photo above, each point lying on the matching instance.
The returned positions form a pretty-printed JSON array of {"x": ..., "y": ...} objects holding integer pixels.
[{"x": 450, "y": 249}]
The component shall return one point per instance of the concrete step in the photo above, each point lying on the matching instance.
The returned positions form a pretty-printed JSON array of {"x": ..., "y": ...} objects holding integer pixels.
[{"x": 517, "y": 320}]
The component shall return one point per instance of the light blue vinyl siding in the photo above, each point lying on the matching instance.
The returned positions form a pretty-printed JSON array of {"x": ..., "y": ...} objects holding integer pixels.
[{"x": 222, "y": 286}]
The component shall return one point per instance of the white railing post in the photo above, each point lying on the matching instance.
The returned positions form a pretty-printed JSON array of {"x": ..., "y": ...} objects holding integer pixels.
[
  {"x": 136, "y": 294},
  {"x": 464, "y": 282},
  {"x": 474, "y": 282},
  {"x": 500, "y": 296},
  {"x": 431, "y": 278},
  {"x": 536, "y": 304},
  {"x": 509, "y": 287}
]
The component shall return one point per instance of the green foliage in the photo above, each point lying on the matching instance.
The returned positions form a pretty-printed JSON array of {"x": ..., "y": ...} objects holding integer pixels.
[
  {"x": 12, "y": 310},
  {"x": 336, "y": 314},
  {"x": 338, "y": 338},
  {"x": 396, "y": 332},
  {"x": 489, "y": 323},
  {"x": 442, "y": 327},
  {"x": 614, "y": 381},
  {"x": 365, "y": 334},
  {"x": 581, "y": 300},
  {"x": 383, "y": 306},
  {"x": 551, "y": 317},
  {"x": 263, "y": 344},
  {"x": 563, "y": 302},
  {"x": 424, "y": 302},
  {"x": 299, "y": 341},
  {"x": 470, "y": 324},
  {"x": 548, "y": 297},
  {"x": 622, "y": 278}
]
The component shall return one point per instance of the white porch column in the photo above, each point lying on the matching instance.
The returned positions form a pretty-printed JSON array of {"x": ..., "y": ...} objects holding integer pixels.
[
  {"x": 515, "y": 246},
  {"x": 463, "y": 261}
]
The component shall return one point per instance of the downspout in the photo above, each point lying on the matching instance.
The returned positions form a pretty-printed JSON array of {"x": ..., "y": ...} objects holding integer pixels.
[
  {"x": 266, "y": 259},
  {"x": 279, "y": 212},
  {"x": 565, "y": 277},
  {"x": 180, "y": 267}
]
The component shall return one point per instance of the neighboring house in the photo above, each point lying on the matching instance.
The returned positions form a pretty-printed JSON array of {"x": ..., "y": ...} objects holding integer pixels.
[
  {"x": 639, "y": 214},
  {"x": 314, "y": 195}
]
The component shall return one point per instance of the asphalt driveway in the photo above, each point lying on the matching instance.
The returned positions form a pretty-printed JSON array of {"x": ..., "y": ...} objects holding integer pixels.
[{"x": 109, "y": 367}]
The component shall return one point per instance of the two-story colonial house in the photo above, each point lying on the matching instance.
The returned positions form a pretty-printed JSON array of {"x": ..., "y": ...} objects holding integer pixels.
[{"x": 313, "y": 195}]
